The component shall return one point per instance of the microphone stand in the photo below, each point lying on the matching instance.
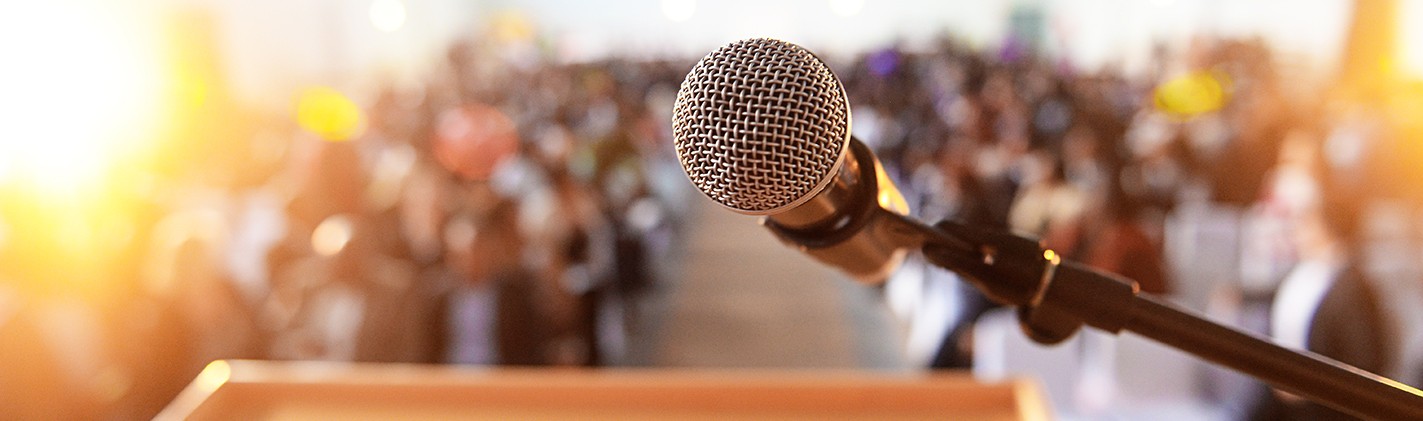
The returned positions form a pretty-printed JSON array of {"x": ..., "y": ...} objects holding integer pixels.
[{"x": 1056, "y": 298}]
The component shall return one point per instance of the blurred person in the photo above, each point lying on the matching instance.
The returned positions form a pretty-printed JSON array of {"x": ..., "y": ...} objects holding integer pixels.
[
  {"x": 320, "y": 179},
  {"x": 254, "y": 210},
  {"x": 1048, "y": 206},
  {"x": 1355, "y": 146},
  {"x": 1291, "y": 187},
  {"x": 515, "y": 326},
  {"x": 941, "y": 308},
  {"x": 1053, "y": 115},
  {"x": 1154, "y": 170},
  {"x": 394, "y": 168},
  {"x": 1105, "y": 103},
  {"x": 1114, "y": 240},
  {"x": 1086, "y": 161},
  {"x": 1327, "y": 305},
  {"x": 570, "y": 245},
  {"x": 634, "y": 219},
  {"x": 1258, "y": 117},
  {"x": 1323, "y": 301},
  {"x": 349, "y": 301},
  {"x": 323, "y": 179},
  {"x": 427, "y": 194},
  {"x": 1159, "y": 173},
  {"x": 52, "y": 364},
  {"x": 196, "y": 312},
  {"x": 483, "y": 257}
]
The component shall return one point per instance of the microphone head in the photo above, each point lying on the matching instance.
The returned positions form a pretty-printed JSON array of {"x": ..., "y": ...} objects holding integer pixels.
[{"x": 760, "y": 125}]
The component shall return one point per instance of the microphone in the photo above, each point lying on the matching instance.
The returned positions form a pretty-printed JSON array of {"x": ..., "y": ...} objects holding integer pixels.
[{"x": 762, "y": 127}]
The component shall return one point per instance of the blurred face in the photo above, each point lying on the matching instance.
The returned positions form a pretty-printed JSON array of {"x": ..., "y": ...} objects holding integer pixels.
[
  {"x": 1079, "y": 145},
  {"x": 480, "y": 251},
  {"x": 1311, "y": 235},
  {"x": 1298, "y": 150},
  {"x": 460, "y": 238},
  {"x": 421, "y": 212},
  {"x": 999, "y": 89},
  {"x": 199, "y": 286}
]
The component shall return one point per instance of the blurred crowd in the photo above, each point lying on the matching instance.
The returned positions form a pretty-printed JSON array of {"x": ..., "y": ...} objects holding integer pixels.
[
  {"x": 1110, "y": 171},
  {"x": 513, "y": 210},
  {"x": 507, "y": 210}
]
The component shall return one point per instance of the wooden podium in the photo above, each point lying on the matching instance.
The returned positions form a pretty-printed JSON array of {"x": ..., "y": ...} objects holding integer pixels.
[{"x": 258, "y": 390}]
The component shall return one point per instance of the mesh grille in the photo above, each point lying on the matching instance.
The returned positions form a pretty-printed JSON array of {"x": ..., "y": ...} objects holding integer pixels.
[{"x": 760, "y": 125}]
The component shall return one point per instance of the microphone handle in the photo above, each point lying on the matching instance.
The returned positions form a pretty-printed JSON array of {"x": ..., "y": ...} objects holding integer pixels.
[{"x": 1055, "y": 298}]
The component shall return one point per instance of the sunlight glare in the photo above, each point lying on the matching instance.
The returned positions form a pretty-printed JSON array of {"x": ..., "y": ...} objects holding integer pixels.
[
  {"x": 81, "y": 86},
  {"x": 1410, "y": 38}
]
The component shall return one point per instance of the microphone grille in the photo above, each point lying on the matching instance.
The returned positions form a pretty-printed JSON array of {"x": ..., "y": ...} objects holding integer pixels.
[{"x": 760, "y": 125}]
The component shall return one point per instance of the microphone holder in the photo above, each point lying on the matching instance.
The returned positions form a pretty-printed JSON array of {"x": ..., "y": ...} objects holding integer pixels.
[{"x": 1055, "y": 298}]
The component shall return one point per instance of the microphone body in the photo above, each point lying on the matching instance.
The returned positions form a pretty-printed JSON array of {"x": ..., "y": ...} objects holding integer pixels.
[{"x": 843, "y": 224}]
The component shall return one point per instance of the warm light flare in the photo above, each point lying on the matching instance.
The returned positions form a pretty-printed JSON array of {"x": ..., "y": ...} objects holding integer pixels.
[
  {"x": 81, "y": 90},
  {"x": 216, "y": 374},
  {"x": 1410, "y": 45}
]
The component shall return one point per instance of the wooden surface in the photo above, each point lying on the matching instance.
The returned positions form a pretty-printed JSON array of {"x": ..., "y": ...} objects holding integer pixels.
[{"x": 253, "y": 390}]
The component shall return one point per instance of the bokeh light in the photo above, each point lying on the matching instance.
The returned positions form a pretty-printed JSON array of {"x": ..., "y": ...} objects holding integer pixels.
[
  {"x": 216, "y": 374},
  {"x": 1410, "y": 49},
  {"x": 329, "y": 113},
  {"x": 473, "y": 140},
  {"x": 511, "y": 26},
  {"x": 332, "y": 235},
  {"x": 1192, "y": 94},
  {"x": 387, "y": 15}
]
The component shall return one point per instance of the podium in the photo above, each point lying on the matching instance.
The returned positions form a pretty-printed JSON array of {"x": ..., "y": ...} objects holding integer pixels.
[{"x": 264, "y": 390}]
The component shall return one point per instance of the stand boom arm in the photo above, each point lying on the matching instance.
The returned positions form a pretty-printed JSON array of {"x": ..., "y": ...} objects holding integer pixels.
[{"x": 1056, "y": 298}]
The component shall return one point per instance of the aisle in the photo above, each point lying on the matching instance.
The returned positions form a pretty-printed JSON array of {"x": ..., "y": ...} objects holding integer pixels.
[{"x": 745, "y": 300}]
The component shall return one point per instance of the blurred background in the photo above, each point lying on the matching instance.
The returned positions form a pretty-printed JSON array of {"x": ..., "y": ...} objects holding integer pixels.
[{"x": 493, "y": 183}]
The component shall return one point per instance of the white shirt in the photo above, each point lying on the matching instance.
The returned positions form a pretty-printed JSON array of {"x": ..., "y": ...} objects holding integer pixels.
[{"x": 1299, "y": 296}]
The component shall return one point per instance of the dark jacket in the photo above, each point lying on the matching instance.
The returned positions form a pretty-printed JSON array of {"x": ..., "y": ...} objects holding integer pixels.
[{"x": 1350, "y": 326}]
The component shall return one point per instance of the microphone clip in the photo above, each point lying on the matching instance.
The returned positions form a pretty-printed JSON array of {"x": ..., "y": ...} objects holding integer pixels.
[{"x": 1010, "y": 270}]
